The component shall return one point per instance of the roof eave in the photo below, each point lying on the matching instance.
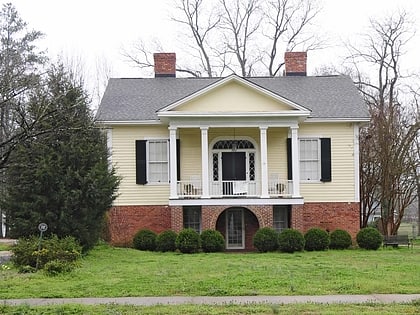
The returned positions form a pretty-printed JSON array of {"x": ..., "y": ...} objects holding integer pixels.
[
  {"x": 129, "y": 122},
  {"x": 291, "y": 113}
]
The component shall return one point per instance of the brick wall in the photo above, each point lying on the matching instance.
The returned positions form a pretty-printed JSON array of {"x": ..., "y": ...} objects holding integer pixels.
[
  {"x": 328, "y": 216},
  {"x": 125, "y": 221}
]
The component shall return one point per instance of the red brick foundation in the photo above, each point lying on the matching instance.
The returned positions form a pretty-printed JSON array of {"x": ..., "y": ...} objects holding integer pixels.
[
  {"x": 327, "y": 215},
  {"x": 125, "y": 221}
]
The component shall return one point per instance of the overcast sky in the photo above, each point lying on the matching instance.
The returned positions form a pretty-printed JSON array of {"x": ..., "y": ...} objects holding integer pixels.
[{"x": 98, "y": 29}]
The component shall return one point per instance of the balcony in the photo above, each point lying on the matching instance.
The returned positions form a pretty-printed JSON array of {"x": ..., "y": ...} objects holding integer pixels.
[{"x": 190, "y": 189}]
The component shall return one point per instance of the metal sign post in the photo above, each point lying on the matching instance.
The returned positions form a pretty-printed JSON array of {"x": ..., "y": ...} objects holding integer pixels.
[{"x": 42, "y": 227}]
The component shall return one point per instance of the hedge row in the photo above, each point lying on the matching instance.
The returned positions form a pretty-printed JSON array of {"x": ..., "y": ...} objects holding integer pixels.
[
  {"x": 315, "y": 239},
  {"x": 265, "y": 240},
  {"x": 187, "y": 241}
]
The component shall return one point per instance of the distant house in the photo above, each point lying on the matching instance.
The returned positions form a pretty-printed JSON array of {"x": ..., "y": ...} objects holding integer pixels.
[{"x": 233, "y": 154}]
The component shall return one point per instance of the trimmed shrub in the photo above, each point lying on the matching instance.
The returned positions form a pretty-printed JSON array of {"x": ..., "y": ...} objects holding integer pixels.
[
  {"x": 212, "y": 241},
  {"x": 316, "y": 239},
  {"x": 340, "y": 239},
  {"x": 145, "y": 240},
  {"x": 188, "y": 241},
  {"x": 29, "y": 253},
  {"x": 266, "y": 240},
  {"x": 165, "y": 241},
  {"x": 369, "y": 238},
  {"x": 291, "y": 240}
]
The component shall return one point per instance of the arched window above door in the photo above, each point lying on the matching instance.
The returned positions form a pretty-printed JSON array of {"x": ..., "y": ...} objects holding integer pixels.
[{"x": 233, "y": 145}]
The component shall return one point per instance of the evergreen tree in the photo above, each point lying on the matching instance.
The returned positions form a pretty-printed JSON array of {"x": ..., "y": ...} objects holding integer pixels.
[{"x": 61, "y": 177}]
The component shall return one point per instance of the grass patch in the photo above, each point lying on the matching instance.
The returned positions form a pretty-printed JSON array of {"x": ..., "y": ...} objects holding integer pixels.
[
  {"x": 118, "y": 272},
  {"x": 4, "y": 247},
  {"x": 291, "y": 309}
]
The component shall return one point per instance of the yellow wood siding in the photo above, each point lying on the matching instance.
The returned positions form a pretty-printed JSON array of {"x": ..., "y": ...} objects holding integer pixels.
[
  {"x": 342, "y": 149},
  {"x": 233, "y": 97},
  {"x": 277, "y": 152},
  {"x": 123, "y": 157},
  {"x": 190, "y": 141},
  {"x": 341, "y": 188}
]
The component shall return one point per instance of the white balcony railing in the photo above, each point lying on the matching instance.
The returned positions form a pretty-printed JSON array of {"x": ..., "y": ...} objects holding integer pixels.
[{"x": 219, "y": 189}]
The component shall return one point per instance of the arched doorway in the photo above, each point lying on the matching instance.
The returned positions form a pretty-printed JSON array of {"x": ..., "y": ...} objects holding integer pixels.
[{"x": 238, "y": 225}]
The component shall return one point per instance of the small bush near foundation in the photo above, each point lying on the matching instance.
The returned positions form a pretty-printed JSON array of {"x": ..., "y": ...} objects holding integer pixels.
[
  {"x": 266, "y": 240},
  {"x": 291, "y": 240},
  {"x": 188, "y": 241},
  {"x": 145, "y": 240},
  {"x": 212, "y": 241},
  {"x": 29, "y": 254},
  {"x": 165, "y": 241},
  {"x": 340, "y": 239},
  {"x": 316, "y": 239},
  {"x": 369, "y": 238}
]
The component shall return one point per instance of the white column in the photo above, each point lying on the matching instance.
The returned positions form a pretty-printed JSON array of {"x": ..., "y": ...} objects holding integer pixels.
[
  {"x": 295, "y": 162},
  {"x": 172, "y": 163},
  {"x": 264, "y": 164},
  {"x": 205, "y": 162}
]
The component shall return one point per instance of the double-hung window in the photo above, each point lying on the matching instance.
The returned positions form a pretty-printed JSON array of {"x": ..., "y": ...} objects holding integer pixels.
[
  {"x": 192, "y": 218},
  {"x": 309, "y": 154},
  {"x": 152, "y": 161},
  {"x": 281, "y": 216},
  {"x": 158, "y": 164},
  {"x": 314, "y": 159}
]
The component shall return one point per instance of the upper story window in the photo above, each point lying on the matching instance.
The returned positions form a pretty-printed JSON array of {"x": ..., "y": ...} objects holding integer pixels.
[
  {"x": 152, "y": 161},
  {"x": 158, "y": 164},
  {"x": 309, "y": 154},
  {"x": 314, "y": 161}
]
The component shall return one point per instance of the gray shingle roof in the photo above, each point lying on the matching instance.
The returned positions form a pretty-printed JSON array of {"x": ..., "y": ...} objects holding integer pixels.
[{"x": 328, "y": 97}]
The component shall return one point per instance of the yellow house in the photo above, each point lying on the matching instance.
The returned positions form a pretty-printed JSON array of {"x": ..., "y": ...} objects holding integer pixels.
[{"x": 233, "y": 154}]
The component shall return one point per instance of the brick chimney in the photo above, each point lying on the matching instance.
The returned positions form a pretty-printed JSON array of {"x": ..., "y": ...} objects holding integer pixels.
[
  {"x": 164, "y": 64},
  {"x": 295, "y": 63}
]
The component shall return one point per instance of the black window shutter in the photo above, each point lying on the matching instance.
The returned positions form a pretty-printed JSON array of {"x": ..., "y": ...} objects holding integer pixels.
[
  {"x": 141, "y": 177},
  {"x": 178, "y": 160},
  {"x": 325, "y": 159},
  {"x": 289, "y": 159}
]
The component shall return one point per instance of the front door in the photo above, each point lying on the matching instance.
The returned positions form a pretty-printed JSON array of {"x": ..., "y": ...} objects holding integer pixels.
[
  {"x": 233, "y": 166},
  {"x": 233, "y": 169},
  {"x": 235, "y": 234}
]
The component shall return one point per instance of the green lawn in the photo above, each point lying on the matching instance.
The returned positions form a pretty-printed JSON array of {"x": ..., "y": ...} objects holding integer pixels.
[
  {"x": 114, "y": 272},
  {"x": 117, "y": 272}
]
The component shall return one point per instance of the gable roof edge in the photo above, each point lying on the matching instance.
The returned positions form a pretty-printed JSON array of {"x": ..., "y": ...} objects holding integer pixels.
[{"x": 231, "y": 78}]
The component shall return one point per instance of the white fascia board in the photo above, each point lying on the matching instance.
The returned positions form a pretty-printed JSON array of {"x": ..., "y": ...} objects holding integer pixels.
[
  {"x": 236, "y": 202},
  {"x": 345, "y": 119},
  {"x": 129, "y": 122},
  {"x": 240, "y": 80},
  {"x": 291, "y": 113}
]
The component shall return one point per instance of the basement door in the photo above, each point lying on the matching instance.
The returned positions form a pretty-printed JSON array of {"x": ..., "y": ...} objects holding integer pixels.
[{"x": 235, "y": 233}]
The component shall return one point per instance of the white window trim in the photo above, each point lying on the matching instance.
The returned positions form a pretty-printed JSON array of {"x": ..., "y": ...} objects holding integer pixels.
[
  {"x": 302, "y": 180},
  {"x": 149, "y": 182}
]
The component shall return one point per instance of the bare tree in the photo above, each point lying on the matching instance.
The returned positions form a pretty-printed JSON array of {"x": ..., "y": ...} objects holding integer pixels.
[
  {"x": 247, "y": 37},
  {"x": 287, "y": 22},
  {"x": 387, "y": 178},
  {"x": 19, "y": 72},
  {"x": 201, "y": 22},
  {"x": 240, "y": 22}
]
